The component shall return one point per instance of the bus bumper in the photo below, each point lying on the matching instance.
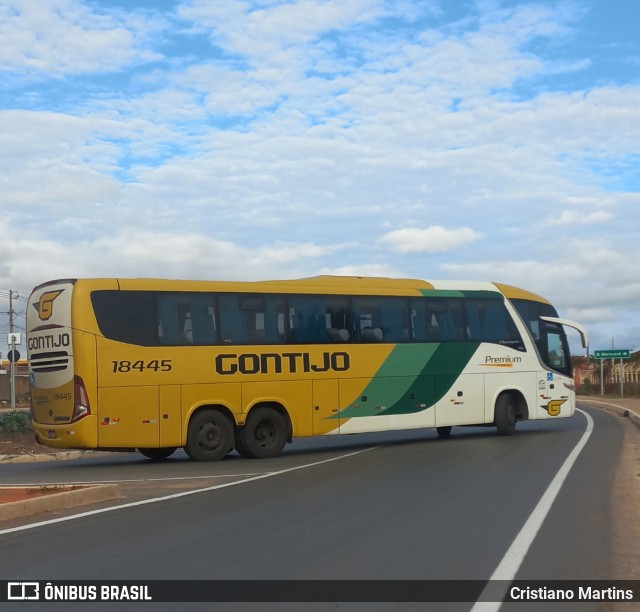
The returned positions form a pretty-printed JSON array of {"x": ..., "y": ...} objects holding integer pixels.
[{"x": 81, "y": 435}]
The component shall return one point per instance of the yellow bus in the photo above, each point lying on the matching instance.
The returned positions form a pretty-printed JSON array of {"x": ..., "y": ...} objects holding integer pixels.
[{"x": 157, "y": 365}]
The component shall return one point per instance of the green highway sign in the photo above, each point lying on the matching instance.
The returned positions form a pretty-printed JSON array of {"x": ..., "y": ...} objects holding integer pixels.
[{"x": 613, "y": 354}]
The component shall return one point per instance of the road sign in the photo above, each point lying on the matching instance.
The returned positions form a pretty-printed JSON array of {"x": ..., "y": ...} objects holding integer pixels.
[
  {"x": 613, "y": 354},
  {"x": 13, "y": 356}
]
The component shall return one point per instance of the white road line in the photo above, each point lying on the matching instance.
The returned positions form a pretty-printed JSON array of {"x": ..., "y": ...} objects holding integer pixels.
[
  {"x": 513, "y": 558},
  {"x": 182, "y": 494},
  {"x": 128, "y": 480}
]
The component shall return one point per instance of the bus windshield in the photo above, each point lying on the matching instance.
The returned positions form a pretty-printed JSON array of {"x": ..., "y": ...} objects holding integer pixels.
[{"x": 549, "y": 337}]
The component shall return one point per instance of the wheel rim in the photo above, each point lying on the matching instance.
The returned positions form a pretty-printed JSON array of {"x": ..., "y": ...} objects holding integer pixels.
[
  {"x": 265, "y": 434},
  {"x": 209, "y": 437}
]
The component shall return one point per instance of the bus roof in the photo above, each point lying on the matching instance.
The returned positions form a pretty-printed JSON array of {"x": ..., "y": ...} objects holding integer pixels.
[
  {"x": 323, "y": 283},
  {"x": 515, "y": 293}
]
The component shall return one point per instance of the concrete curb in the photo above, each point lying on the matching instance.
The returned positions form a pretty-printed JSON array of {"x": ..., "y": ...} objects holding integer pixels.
[
  {"x": 59, "y": 456},
  {"x": 41, "y": 457},
  {"x": 633, "y": 416},
  {"x": 59, "y": 501}
]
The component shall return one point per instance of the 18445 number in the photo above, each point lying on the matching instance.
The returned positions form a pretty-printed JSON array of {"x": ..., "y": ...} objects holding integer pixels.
[{"x": 157, "y": 365}]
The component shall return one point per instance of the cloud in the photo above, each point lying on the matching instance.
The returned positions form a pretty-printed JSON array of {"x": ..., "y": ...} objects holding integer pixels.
[
  {"x": 371, "y": 269},
  {"x": 58, "y": 37},
  {"x": 267, "y": 34},
  {"x": 571, "y": 217},
  {"x": 432, "y": 239},
  {"x": 131, "y": 252}
]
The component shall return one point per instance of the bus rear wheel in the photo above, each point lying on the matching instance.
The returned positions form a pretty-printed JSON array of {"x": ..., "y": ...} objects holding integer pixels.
[
  {"x": 210, "y": 436},
  {"x": 264, "y": 434},
  {"x": 444, "y": 431},
  {"x": 505, "y": 415},
  {"x": 157, "y": 454},
  {"x": 241, "y": 449}
]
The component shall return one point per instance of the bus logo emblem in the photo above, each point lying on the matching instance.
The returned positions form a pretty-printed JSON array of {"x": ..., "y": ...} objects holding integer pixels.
[
  {"x": 45, "y": 304},
  {"x": 554, "y": 406}
]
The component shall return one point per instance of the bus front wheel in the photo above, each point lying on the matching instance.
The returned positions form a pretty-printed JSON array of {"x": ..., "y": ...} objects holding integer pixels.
[
  {"x": 264, "y": 435},
  {"x": 210, "y": 436},
  {"x": 505, "y": 415}
]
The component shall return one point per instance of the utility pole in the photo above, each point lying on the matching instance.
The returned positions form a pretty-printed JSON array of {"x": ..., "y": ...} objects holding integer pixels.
[
  {"x": 13, "y": 354},
  {"x": 11, "y": 314}
]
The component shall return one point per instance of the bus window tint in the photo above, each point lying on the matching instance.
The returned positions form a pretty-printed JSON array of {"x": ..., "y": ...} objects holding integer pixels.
[
  {"x": 126, "y": 316},
  {"x": 319, "y": 319},
  {"x": 445, "y": 320},
  {"x": 186, "y": 318},
  {"x": 557, "y": 359},
  {"x": 381, "y": 319},
  {"x": 190, "y": 318},
  {"x": 550, "y": 338},
  {"x": 488, "y": 321},
  {"x": 251, "y": 319}
]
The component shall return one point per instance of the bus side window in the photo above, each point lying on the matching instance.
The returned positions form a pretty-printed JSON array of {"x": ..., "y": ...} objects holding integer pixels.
[
  {"x": 307, "y": 319},
  {"x": 127, "y": 316},
  {"x": 252, "y": 316},
  {"x": 169, "y": 327},
  {"x": 338, "y": 319},
  {"x": 456, "y": 317},
  {"x": 439, "y": 327},
  {"x": 418, "y": 317},
  {"x": 556, "y": 351},
  {"x": 383, "y": 319},
  {"x": 202, "y": 320},
  {"x": 319, "y": 319},
  {"x": 367, "y": 320},
  {"x": 261, "y": 317},
  {"x": 489, "y": 321},
  {"x": 232, "y": 326}
]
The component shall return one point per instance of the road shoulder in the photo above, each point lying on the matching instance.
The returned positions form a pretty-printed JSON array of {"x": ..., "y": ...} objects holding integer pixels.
[{"x": 625, "y": 503}]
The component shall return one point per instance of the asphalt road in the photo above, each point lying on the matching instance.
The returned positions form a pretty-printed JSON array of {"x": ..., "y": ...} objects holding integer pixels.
[{"x": 397, "y": 506}]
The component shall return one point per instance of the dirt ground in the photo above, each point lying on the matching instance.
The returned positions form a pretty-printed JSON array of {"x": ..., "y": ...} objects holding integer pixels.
[
  {"x": 12, "y": 494},
  {"x": 22, "y": 444}
]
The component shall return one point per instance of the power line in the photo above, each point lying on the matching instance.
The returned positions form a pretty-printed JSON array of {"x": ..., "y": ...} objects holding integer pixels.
[
  {"x": 16, "y": 295},
  {"x": 12, "y": 295}
]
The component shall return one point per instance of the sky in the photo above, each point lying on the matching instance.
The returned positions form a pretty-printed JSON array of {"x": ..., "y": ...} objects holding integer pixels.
[{"x": 264, "y": 139}]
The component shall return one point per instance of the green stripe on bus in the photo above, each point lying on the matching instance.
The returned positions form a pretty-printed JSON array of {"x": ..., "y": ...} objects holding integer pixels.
[{"x": 412, "y": 379}]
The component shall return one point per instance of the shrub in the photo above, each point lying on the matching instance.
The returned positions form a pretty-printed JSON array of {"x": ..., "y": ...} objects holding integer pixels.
[{"x": 15, "y": 422}]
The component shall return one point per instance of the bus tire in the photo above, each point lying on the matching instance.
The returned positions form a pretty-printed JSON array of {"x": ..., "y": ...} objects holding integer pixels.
[
  {"x": 264, "y": 434},
  {"x": 240, "y": 447},
  {"x": 209, "y": 437},
  {"x": 444, "y": 431},
  {"x": 157, "y": 454},
  {"x": 505, "y": 415}
]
